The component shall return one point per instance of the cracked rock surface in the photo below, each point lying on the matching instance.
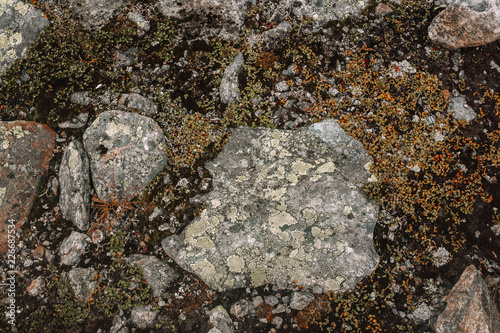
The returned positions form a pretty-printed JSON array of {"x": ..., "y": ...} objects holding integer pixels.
[{"x": 282, "y": 211}]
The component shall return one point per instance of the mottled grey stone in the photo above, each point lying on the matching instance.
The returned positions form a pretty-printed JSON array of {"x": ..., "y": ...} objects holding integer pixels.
[
  {"x": 220, "y": 320},
  {"x": 20, "y": 26},
  {"x": 72, "y": 247},
  {"x": 77, "y": 122},
  {"x": 82, "y": 281},
  {"x": 138, "y": 19},
  {"x": 285, "y": 208},
  {"x": 300, "y": 300},
  {"x": 229, "y": 90},
  {"x": 460, "y": 109},
  {"x": 94, "y": 14},
  {"x": 157, "y": 274},
  {"x": 126, "y": 151},
  {"x": 74, "y": 178},
  {"x": 141, "y": 104},
  {"x": 143, "y": 316}
]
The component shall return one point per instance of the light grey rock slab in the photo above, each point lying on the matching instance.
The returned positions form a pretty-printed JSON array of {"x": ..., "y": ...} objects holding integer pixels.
[
  {"x": 82, "y": 281},
  {"x": 285, "y": 208},
  {"x": 229, "y": 90}
]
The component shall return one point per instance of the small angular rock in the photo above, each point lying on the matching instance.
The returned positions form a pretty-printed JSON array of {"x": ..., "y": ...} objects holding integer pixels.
[
  {"x": 73, "y": 247},
  {"x": 157, "y": 274},
  {"x": 229, "y": 90},
  {"x": 82, "y": 282},
  {"x": 469, "y": 308}
]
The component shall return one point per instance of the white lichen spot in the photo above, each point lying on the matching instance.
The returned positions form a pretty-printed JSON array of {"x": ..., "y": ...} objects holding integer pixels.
[
  {"x": 280, "y": 219},
  {"x": 5, "y": 144},
  {"x": 315, "y": 231},
  {"x": 258, "y": 276},
  {"x": 294, "y": 253},
  {"x": 334, "y": 284},
  {"x": 284, "y": 236},
  {"x": 205, "y": 268},
  {"x": 372, "y": 179},
  {"x": 205, "y": 242},
  {"x": 233, "y": 214},
  {"x": 293, "y": 179},
  {"x": 368, "y": 166},
  {"x": 194, "y": 229},
  {"x": 229, "y": 283},
  {"x": 275, "y": 194},
  {"x": 340, "y": 248},
  {"x": 327, "y": 167},
  {"x": 22, "y": 8},
  {"x": 118, "y": 129},
  {"x": 216, "y": 203},
  {"x": 347, "y": 210},
  {"x": 301, "y": 167},
  {"x": 235, "y": 263},
  {"x": 309, "y": 215},
  {"x": 243, "y": 178}
]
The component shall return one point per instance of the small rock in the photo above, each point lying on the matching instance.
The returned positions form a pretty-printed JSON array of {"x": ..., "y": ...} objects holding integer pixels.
[
  {"x": 220, "y": 320},
  {"x": 229, "y": 90},
  {"x": 36, "y": 287},
  {"x": 242, "y": 308},
  {"x": 73, "y": 247},
  {"x": 143, "y": 316},
  {"x": 300, "y": 300},
  {"x": 277, "y": 321},
  {"x": 467, "y": 23},
  {"x": 77, "y": 122},
  {"x": 94, "y": 14},
  {"x": 382, "y": 9},
  {"x": 81, "y": 98},
  {"x": 440, "y": 257},
  {"x": 139, "y": 20},
  {"x": 271, "y": 300},
  {"x": 460, "y": 109},
  {"x": 469, "y": 308},
  {"x": 81, "y": 280},
  {"x": 157, "y": 274},
  {"x": 74, "y": 175}
]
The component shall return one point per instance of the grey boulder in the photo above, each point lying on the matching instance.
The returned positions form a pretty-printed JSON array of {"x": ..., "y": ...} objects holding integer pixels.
[
  {"x": 126, "y": 151},
  {"x": 285, "y": 209}
]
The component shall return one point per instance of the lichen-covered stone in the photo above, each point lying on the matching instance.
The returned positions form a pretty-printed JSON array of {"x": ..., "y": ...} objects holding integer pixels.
[
  {"x": 20, "y": 26},
  {"x": 126, "y": 151},
  {"x": 25, "y": 152},
  {"x": 285, "y": 209},
  {"x": 74, "y": 177}
]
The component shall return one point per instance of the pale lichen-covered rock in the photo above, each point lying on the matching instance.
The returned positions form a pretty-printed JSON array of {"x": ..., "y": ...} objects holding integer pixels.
[
  {"x": 126, "y": 151},
  {"x": 467, "y": 23},
  {"x": 469, "y": 308},
  {"x": 20, "y": 26},
  {"x": 285, "y": 208},
  {"x": 74, "y": 177}
]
